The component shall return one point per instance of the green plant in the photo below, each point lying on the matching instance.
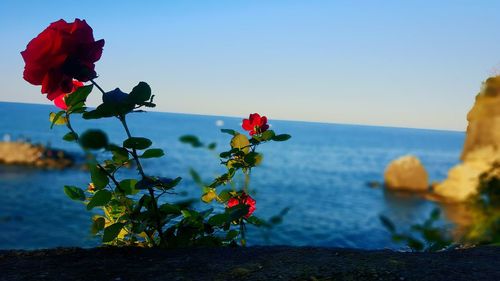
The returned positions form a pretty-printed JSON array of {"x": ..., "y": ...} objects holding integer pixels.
[
  {"x": 425, "y": 237},
  {"x": 240, "y": 159},
  {"x": 132, "y": 212},
  {"x": 485, "y": 206}
]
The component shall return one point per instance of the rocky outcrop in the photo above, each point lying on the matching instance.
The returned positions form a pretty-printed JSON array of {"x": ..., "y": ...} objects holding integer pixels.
[
  {"x": 23, "y": 153},
  {"x": 463, "y": 179},
  {"x": 406, "y": 173},
  {"x": 481, "y": 147},
  {"x": 483, "y": 129}
]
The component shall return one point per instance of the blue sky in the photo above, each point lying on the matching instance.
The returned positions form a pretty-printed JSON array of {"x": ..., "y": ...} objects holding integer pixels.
[{"x": 393, "y": 63}]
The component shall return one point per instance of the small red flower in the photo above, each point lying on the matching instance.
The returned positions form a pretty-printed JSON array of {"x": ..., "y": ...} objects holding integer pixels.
[
  {"x": 62, "y": 52},
  {"x": 243, "y": 199},
  {"x": 60, "y": 100},
  {"x": 255, "y": 124}
]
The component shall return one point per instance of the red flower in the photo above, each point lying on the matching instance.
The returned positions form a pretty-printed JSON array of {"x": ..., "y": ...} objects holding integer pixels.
[
  {"x": 255, "y": 124},
  {"x": 60, "y": 102},
  {"x": 62, "y": 52},
  {"x": 243, "y": 199}
]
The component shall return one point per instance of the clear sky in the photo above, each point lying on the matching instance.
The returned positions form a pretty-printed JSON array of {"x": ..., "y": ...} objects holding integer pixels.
[{"x": 394, "y": 63}]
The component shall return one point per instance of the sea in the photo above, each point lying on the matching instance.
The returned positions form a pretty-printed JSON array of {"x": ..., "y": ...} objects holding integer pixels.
[{"x": 323, "y": 175}]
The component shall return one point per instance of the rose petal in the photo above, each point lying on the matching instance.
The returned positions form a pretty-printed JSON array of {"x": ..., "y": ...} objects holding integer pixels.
[
  {"x": 59, "y": 102},
  {"x": 263, "y": 121},
  {"x": 247, "y": 125},
  {"x": 60, "y": 53}
]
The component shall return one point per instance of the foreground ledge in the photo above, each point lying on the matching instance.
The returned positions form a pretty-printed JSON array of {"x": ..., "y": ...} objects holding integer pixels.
[{"x": 253, "y": 263}]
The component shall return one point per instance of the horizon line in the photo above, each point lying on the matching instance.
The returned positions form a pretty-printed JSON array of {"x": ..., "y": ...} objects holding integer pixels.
[{"x": 290, "y": 120}]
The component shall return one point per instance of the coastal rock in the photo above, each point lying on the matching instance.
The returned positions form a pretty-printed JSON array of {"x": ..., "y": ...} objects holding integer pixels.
[
  {"x": 481, "y": 147},
  {"x": 406, "y": 173},
  {"x": 483, "y": 129},
  {"x": 23, "y": 153},
  {"x": 463, "y": 179}
]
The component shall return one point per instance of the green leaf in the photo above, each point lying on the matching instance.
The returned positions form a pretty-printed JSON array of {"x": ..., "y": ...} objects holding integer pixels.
[
  {"x": 57, "y": 118},
  {"x": 196, "y": 177},
  {"x": 74, "y": 193},
  {"x": 168, "y": 183},
  {"x": 104, "y": 110},
  {"x": 98, "y": 176},
  {"x": 70, "y": 136},
  {"x": 206, "y": 213},
  {"x": 253, "y": 158},
  {"x": 101, "y": 198},
  {"x": 120, "y": 154},
  {"x": 140, "y": 93},
  {"x": 282, "y": 137},
  {"x": 237, "y": 212},
  {"x": 97, "y": 225},
  {"x": 170, "y": 209},
  {"x": 225, "y": 195},
  {"x": 152, "y": 153},
  {"x": 149, "y": 104},
  {"x": 78, "y": 108},
  {"x": 212, "y": 146},
  {"x": 240, "y": 142},
  {"x": 145, "y": 183},
  {"x": 115, "y": 103},
  {"x": 192, "y": 140},
  {"x": 388, "y": 224},
  {"x": 93, "y": 139},
  {"x": 415, "y": 244},
  {"x": 93, "y": 114},
  {"x": 138, "y": 228},
  {"x": 436, "y": 213},
  {"x": 208, "y": 196},
  {"x": 231, "y": 235},
  {"x": 137, "y": 143},
  {"x": 276, "y": 220},
  {"x": 112, "y": 231},
  {"x": 186, "y": 213},
  {"x": 219, "y": 219},
  {"x": 267, "y": 135},
  {"x": 225, "y": 154},
  {"x": 128, "y": 186},
  {"x": 186, "y": 203},
  {"x": 79, "y": 96},
  {"x": 256, "y": 221},
  {"x": 229, "y": 131}
]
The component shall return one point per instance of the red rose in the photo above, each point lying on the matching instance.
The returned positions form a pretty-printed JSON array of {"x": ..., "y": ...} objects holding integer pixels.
[
  {"x": 62, "y": 52},
  {"x": 255, "y": 124},
  {"x": 60, "y": 102},
  {"x": 243, "y": 199}
]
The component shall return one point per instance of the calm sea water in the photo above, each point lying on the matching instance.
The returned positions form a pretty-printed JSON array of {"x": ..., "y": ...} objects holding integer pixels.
[{"x": 321, "y": 174}]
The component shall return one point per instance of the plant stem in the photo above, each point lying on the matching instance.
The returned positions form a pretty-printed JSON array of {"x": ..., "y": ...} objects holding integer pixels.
[
  {"x": 247, "y": 181},
  {"x": 68, "y": 124},
  {"x": 141, "y": 171},
  {"x": 98, "y": 87},
  {"x": 134, "y": 151},
  {"x": 242, "y": 233}
]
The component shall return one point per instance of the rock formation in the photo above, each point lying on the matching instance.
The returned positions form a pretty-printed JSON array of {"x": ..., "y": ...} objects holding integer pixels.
[
  {"x": 481, "y": 147},
  {"x": 406, "y": 173},
  {"x": 23, "y": 153}
]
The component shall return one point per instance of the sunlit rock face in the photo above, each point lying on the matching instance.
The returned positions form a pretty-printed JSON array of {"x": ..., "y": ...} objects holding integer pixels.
[
  {"x": 19, "y": 153},
  {"x": 481, "y": 147},
  {"x": 22, "y": 153},
  {"x": 484, "y": 119},
  {"x": 406, "y": 173}
]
